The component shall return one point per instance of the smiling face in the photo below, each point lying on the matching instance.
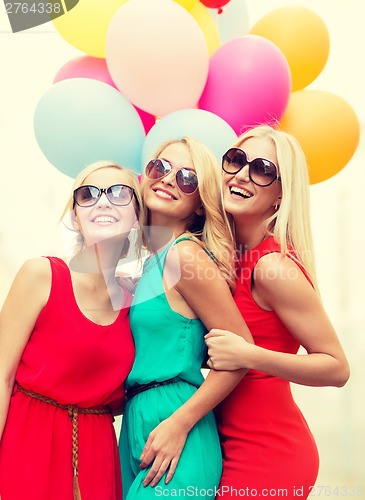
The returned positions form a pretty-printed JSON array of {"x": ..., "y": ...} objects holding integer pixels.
[
  {"x": 105, "y": 220},
  {"x": 244, "y": 198},
  {"x": 166, "y": 202}
]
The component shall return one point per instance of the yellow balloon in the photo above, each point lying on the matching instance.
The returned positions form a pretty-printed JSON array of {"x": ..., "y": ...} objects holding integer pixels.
[
  {"x": 207, "y": 24},
  {"x": 327, "y": 129},
  {"x": 85, "y": 26},
  {"x": 187, "y": 4},
  {"x": 303, "y": 38}
]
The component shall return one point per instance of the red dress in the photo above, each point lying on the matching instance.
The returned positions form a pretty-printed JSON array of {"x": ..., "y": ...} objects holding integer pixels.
[
  {"x": 266, "y": 442},
  {"x": 71, "y": 360}
]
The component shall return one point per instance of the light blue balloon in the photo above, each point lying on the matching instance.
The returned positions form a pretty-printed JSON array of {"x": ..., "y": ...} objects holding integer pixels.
[
  {"x": 207, "y": 127},
  {"x": 80, "y": 121},
  {"x": 233, "y": 21}
]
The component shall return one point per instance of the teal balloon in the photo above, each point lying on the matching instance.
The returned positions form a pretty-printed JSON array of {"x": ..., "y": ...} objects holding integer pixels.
[
  {"x": 203, "y": 125},
  {"x": 80, "y": 121},
  {"x": 233, "y": 21}
]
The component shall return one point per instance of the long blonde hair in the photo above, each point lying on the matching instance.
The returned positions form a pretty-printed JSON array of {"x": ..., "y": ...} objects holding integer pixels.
[
  {"x": 290, "y": 224},
  {"x": 211, "y": 229},
  {"x": 136, "y": 200}
]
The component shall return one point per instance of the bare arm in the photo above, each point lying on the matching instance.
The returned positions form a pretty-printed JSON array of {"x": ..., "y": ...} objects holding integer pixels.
[
  {"x": 25, "y": 301},
  {"x": 207, "y": 293},
  {"x": 289, "y": 294}
]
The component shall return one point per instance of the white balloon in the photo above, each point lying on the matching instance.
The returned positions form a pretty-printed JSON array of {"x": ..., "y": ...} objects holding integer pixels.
[{"x": 157, "y": 55}]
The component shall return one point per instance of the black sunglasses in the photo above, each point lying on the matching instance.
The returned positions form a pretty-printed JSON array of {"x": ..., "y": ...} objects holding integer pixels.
[
  {"x": 261, "y": 172},
  {"x": 186, "y": 180},
  {"x": 118, "y": 194}
]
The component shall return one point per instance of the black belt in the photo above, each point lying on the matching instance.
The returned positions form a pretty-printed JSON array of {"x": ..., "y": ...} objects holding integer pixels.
[{"x": 133, "y": 391}]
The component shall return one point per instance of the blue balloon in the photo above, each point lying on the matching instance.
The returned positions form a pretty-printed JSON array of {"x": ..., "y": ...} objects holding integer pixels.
[
  {"x": 233, "y": 21},
  {"x": 207, "y": 127},
  {"x": 80, "y": 121}
]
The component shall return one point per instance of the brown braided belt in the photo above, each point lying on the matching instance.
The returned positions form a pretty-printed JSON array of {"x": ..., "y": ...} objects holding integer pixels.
[{"x": 73, "y": 412}]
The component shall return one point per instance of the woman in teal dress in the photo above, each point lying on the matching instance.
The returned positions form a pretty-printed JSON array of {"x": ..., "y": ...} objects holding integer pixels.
[{"x": 168, "y": 429}]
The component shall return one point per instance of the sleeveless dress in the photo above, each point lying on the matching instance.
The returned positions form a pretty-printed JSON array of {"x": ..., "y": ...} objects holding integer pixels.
[
  {"x": 168, "y": 345},
  {"x": 266, "y": 442},
  {"x": 72, "y": 360}
]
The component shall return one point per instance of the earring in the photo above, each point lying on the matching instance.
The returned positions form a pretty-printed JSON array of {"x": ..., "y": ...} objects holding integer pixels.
[{"x": 276, "y": 206}]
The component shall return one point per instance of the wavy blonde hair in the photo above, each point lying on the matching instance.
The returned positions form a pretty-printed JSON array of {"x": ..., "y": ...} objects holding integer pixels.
[
  {"x": 136, "y": 200},
  {"x": 290, "y": 224},
  {"x": 211, "y": 230}
]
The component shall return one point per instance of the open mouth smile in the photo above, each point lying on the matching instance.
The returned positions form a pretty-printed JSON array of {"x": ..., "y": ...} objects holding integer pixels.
[
  {"x": 240, "y": 192},
  {"x": 104, "y": 220},
  {"x": 164, "y": 194}
]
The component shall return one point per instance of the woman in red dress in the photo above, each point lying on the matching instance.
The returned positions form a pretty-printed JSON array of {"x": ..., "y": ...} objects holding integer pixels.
[
  {"x": 268, "y": 449},
  {"x": 65, "y": 350}
]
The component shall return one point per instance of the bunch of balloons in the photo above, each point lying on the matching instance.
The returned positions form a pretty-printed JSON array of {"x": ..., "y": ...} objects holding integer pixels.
[{"x": 156, "y": 69}]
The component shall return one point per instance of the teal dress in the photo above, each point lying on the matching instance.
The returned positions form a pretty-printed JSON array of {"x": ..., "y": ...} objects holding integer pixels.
[{"x": 168, "y": 345}]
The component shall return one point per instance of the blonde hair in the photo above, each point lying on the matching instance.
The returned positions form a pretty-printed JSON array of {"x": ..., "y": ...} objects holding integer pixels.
[
  {"x": 290, "y": 224},
  {"x": 211, "y": 230},
  {"x": 136, "y": 200}
]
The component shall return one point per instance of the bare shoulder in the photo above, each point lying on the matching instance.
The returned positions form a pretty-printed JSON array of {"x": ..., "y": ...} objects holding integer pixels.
[
  {"x": 276, "y": 266},
  {"x": 34, "y": 278},
  {"x": 277, "y": 277},
  {"x": 38, "y": 268},
  {"x": 31, "y": 286},
  {"x": 189, "y": 252}
]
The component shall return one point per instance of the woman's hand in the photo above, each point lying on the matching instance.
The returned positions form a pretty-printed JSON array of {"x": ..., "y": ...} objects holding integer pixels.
[
  {"x": 124, "y": 280},
  {"x": 228, "y": 351},
  {"x": 164, "y": 446}
]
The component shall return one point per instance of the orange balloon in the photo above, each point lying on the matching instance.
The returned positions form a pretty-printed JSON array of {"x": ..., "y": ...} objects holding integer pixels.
[
  {"x": 327, "y": 129},
  {"x": 303, "y": 38}
]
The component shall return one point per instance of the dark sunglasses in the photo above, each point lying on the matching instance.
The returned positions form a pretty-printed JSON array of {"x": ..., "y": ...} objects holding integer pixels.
[
  {"x": 186, "y": 180},
  {"x": 118, "y": 194},
  {"x": 261, "y": 172}
]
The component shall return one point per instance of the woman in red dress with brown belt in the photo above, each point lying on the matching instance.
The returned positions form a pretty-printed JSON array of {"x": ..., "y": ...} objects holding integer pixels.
[
  {"x": 65, "y": 350},
  {"x": 268, "y": 449}
]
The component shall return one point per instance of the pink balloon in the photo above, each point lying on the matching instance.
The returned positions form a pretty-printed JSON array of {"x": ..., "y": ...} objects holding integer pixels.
[
  {"x": 148, "y": 120},
  {"x": 85, "y": 67},
  {"x": 96, "y": 69},
  {"x": 157, "y": 55},
  {"x": 249, "y": 83}
]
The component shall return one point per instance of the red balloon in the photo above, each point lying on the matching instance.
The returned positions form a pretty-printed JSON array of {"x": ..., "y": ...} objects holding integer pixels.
[{"x": 214, "y": 4}]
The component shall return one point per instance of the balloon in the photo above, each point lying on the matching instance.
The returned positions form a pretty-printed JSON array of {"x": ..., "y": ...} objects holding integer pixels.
[
  {"x": 85, "y": 26},
  {"x": 187, "y": 4},
  {"x": 214, "y": 4},
  {"x": 233, "y": 21},
  {"x": 95, "y": 68},
  {"x": 147, "y": 119},
  {"x": 327, "y": 129},
  {"x": 303, "y": 38},
  {"x": 157, "y": 55},
  {"x": 85, "y": 67},
  {"x": 80, "y": 121},
  {"x": 208, "y": 128},
  {"x": 206, "y": 22},
  {"x": 248, "y": 83}
]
